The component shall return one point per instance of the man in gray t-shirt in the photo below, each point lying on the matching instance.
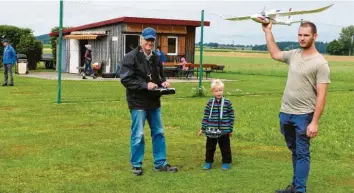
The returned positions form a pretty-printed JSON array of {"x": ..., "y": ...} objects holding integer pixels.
[{"x": 303, "y": 100}]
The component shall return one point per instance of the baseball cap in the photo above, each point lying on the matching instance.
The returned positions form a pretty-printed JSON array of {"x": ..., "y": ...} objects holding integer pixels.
[
  {"x": 5, "y": 40},
  {"x": 149, "y": 33}
]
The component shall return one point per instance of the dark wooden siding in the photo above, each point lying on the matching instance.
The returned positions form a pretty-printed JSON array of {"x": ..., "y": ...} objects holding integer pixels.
[
  {"x": 105, "y": 49},
  {"x": 190, "y": 44}
]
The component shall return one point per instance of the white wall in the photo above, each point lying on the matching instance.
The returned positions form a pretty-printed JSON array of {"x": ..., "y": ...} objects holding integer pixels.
[{"x": 74, "y": 56}]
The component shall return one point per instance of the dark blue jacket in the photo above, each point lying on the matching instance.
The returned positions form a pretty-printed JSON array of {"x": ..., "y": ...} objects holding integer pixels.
[{"x": 9, "y": 56}]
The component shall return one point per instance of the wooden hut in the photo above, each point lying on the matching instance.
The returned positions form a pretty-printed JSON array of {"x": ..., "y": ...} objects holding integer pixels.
[{"x": 112, "y": 39}]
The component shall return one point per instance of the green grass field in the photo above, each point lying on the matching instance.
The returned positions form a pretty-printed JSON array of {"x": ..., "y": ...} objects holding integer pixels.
[{"x": 82, "y": 145}]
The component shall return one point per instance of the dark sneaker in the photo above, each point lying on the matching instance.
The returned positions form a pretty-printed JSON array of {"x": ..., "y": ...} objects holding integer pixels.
[
  {"x": 4, "y": 84},
  {"x": 167, "y": 168},
  {"x": 11, "y": 84},
  {"x": 138, "y": 171},
  {"x": 290, "y": 189}
]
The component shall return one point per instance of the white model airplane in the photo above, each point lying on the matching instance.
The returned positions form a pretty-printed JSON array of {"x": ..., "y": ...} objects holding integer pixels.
[{"x": 276, "y": 16}]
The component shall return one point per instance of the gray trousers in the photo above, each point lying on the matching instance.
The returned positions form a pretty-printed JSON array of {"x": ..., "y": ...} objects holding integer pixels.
[{"x": 8, "y": 70}]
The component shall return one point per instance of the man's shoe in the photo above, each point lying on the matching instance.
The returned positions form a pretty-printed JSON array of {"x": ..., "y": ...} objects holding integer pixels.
[
  {"x": 225, "y": 166},
  {"x": 289, "y": 189},
  {"x": 11, "y": 84},
  {"x": 207, "y": 166},
  {"x": 167, "y": 168},
  {"x": 5, "y": 84},
  {"x": 138, "y": 171}
]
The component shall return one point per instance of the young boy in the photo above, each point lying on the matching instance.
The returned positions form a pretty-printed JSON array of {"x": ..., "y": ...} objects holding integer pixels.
[{"x": 217, "y": 125}]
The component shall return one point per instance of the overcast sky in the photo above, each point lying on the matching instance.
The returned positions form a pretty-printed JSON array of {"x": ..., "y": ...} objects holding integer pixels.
[{"x": 41, "y": 16}]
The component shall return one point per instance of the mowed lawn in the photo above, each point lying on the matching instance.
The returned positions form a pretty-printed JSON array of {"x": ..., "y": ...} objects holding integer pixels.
[{"x": 82, "y": 145}]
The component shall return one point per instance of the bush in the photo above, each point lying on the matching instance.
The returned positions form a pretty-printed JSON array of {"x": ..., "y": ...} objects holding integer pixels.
[
  {"x": 199, "y": 92},
  {"x": 24, "y": 42}
]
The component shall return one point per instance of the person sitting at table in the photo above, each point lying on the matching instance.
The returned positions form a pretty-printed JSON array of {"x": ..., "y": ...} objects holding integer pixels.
[{"x": 183, "y": 64}]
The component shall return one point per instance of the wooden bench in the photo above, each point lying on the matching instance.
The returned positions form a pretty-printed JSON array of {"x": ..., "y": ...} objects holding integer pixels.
[
  {"x": 170, "y": 67},
  {"x": 218, "y": 68}
]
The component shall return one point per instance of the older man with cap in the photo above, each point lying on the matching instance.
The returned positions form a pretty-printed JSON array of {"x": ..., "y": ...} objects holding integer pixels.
[
  {"x": 140, "y": 73},
  {"x": 9, "y": 59}
]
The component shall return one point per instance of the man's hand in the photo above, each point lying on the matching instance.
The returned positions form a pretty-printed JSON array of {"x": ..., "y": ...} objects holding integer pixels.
[
  {"x": 267, "y": 27},
  {"x": 151, "y": 86},
  {"x": 312, "y": 130},
  {"x": 230, "y": 134},
  {"x": 166, "y": 84}
]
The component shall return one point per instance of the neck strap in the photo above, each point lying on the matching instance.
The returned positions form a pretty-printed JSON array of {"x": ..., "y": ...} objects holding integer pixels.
[{"x": 221, "y": 110}]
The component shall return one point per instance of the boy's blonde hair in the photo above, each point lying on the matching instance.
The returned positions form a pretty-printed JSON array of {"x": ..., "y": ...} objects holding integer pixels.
[{"x": 217, "y": 83}]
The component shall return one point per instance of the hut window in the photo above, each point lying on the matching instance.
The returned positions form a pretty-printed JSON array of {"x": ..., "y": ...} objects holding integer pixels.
[
  {"x": 131, "y": 41},
  {"x": 172, "y": 45}
]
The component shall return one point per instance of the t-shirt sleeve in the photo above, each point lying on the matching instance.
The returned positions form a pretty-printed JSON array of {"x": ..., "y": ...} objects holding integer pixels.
[
  {"x": 323, "y": 74},
  {"x": 287, "y": 55}
]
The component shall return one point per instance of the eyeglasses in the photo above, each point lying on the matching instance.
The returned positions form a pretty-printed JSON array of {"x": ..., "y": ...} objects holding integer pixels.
[{"x": 150, "y": 40}]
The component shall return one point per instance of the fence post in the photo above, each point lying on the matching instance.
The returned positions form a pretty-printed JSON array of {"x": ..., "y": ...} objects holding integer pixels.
[
  {"x": 201, "y": 51},
  {"x": 60, "y": 50},
  {"x": 351, "y": 46}
]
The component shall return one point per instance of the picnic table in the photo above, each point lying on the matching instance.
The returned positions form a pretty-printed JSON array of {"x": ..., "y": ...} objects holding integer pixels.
[{"x": 175, "y": 68}]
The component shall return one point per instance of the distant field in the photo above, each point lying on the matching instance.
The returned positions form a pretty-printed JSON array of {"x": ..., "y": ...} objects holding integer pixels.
[
  {"x": 230, "y": 50},
  {"x": 261, "y": 54},
  {"x": 47, "y": 46}
]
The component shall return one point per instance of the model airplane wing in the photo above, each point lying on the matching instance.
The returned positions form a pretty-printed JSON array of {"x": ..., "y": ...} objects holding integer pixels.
[
  {"x": 301, "y": 12},
  {"x": 299, "y": 21},
  {"x": 236, "y": 18}
]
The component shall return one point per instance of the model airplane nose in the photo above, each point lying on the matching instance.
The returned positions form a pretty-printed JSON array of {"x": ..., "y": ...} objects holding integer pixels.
[{"x": 257, "y": 17}]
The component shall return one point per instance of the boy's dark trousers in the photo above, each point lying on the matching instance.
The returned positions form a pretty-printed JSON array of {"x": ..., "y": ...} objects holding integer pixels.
[{"x": 224, "y": 144}]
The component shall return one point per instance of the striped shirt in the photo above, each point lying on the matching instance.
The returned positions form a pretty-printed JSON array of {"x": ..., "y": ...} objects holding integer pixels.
[{"x": 224, "y": 123}]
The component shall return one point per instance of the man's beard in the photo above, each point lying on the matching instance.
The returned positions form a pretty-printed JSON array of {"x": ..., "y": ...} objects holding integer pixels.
[{"x": 308, "y": 44}]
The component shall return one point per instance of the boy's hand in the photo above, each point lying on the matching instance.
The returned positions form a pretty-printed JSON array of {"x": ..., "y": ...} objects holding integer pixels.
[
  {"x": 230, "y": 134},
  {"x": 200, "y": 132}
]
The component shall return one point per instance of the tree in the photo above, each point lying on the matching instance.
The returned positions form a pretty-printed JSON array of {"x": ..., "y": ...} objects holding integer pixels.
[
  {"x": 345, "y": 38},
  {"x": 335, "y": 48},
  {"x": 24, "y": 42}
]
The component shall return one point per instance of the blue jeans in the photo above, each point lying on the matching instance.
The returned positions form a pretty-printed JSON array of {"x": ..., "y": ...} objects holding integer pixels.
[
  {"x": 294, "y": 128},
  {"x": 137, "y": 143},
  {"x": 117, "y": 71},
  {"x": 88, "y": 66}
]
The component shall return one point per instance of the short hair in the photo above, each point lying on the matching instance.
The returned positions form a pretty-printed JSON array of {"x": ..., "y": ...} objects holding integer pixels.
[
  {"x": 309, "y": 24},
  {"x": 216, "y": 83}
]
